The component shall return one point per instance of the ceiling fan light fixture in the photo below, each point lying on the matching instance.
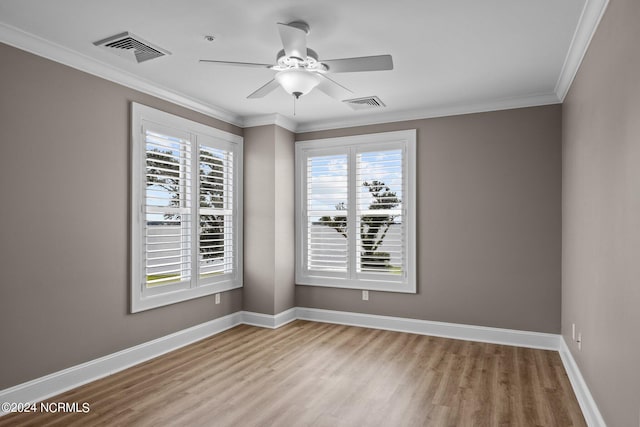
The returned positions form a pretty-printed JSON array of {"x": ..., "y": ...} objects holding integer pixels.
[
  {"x": 297, "y": 81},
  {"x": 298, "y": 70}
]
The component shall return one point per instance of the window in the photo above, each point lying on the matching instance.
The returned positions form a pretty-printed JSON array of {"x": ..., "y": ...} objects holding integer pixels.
[
  {"x": 186, "y": 209},
  {"x": 355, "y": 207}
]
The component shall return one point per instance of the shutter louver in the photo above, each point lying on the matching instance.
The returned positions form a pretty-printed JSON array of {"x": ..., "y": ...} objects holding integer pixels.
[
  {"x": 327, "y": 196},
  {"x": 379, "y": 198},
  {"x": 216, "y": 200},
  {"x": 167, "y": 248}
]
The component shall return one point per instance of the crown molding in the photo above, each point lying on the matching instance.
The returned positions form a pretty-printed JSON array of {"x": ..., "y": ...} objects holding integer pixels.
[
  {"x": 270, "y": 119},
  {"x": 427, "y": 113},
  {"x": 587, "y": 24},
  {"x": 31, "y": 43}
]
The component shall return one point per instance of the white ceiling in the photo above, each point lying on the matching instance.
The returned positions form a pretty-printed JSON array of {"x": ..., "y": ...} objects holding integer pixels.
[{"x": 449, "y": 56}]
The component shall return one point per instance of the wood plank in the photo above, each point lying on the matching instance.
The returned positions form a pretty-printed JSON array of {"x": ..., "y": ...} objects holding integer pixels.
[{"x": 319, "y": 374}]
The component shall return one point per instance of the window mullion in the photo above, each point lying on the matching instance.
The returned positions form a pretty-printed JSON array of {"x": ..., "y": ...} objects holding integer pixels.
[{"x": 351, "y": 214}]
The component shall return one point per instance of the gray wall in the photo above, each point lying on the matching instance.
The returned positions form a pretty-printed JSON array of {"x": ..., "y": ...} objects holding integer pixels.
[
  {"x": 488, "y": 223},
  {"x": 64, "y": 228},
  {"x": 269, "y": 240},
  {"x": 601, "y": 214},
  {"x": 259, "y": 217},
  {"x": 285, "y": 242},
  {"x": 488, "y": 236}
]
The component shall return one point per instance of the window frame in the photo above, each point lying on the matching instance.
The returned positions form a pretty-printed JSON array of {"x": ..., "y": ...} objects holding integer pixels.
[
  {"x": 197, "y": 134},
  {"x": 352, "y": 145}
]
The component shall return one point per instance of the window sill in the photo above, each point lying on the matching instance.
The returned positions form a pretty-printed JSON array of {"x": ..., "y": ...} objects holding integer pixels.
[
  {"x": 154, "y": 301},
  {"x": 370, "y": 285}
]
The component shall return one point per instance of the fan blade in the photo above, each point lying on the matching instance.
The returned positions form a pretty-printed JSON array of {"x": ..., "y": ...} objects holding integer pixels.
[
  {"x": 237, "y": 64},
  {"x": 363, "y": 63},
  {"x": 333, "y": 88},
  {"x": 264, "y": 90},
  {"x": 294, "y": 41}
]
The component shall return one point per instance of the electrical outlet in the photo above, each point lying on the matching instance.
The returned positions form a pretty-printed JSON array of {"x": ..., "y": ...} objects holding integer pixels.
[
  {"x": 579, "y": 340},
  {"x": 573, "y": 331},
  {"x": 365, "y": 295},
  {"x": 217, "y": 298}
]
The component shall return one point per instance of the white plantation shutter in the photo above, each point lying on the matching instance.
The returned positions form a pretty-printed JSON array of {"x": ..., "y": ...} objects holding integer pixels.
[
  {"x": 355, "y": 200},
  {"x": 216, "y": 200},
  {"x": 381, "y": 232},
  {"x": 167, "y": 209},
  {"x": 186, "y": 211},
  {"x": 326, "y": 213}
]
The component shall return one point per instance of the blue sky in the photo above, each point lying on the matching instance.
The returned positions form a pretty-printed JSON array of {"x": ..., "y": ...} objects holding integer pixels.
[{"x": 327, "y": 176}]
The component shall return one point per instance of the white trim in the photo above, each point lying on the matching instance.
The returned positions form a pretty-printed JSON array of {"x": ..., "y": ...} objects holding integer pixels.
[
  {"x": 349, "y": 147},
  {"x": 47, "y": 49},
  {"x": 37, "y": 45},
  {"x": 587, "y": 24},
  {"x": 75, "y": 376},
  {"x": 585, "y": 29},
  {"x": 429, "y": 113},
  {"x": 270, "y": 119},
  {"x": 269, "y": 320},
  {"x": 590, "y": 410},
  {"x": 432, "y": 328},
  {"x": 143, "y": 117}
]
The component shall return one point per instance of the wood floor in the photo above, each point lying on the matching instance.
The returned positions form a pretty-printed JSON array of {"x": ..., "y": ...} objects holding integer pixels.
[{"x": 317, "y": 374}]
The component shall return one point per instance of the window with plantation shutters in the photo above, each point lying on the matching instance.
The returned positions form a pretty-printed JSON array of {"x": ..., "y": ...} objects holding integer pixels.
[
  {"x": 379, "y": 208},
  {"x": 166, "y": 209},
  {"x": 355, "y": 200},
  {"x": 186, "y": 211},
  {"x": 216, "y": 255},
  {"x": 326, "y": 204}
]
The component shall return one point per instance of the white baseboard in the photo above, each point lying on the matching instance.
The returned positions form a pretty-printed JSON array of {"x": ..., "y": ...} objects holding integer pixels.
[
  {"x": 75, "y": 376},
  {"x": 590, "y": 410},
  {"x": 438, "y": 329},
  {"x": 269, "y": 320}
]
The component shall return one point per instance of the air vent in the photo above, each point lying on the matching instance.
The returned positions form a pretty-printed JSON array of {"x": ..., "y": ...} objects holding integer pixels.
[
  {"x": 364, "y": 103},
  {"x": 130, "y": 46}
]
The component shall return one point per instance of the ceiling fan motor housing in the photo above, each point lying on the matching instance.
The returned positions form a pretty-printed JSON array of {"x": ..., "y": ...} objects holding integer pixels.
[{"x": 310, "y": 63}]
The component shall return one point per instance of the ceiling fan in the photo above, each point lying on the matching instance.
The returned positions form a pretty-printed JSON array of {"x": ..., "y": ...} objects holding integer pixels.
[{"x": 299, "y": 70}]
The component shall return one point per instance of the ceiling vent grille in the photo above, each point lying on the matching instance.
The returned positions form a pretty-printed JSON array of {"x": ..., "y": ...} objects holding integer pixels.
[
  {"x": 365, "y": 103},
  {"x": 130, "y": 46}
]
